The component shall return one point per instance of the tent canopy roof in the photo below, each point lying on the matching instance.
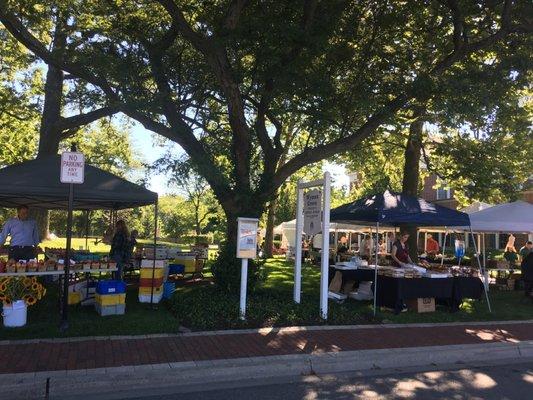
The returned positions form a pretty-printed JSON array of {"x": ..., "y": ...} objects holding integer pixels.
[
  {"x": 508, "y": 217},
  {"x": 35, "y": 183},
  {"x": 348, "y": 227},
  {"x": 394, "y": 209}
]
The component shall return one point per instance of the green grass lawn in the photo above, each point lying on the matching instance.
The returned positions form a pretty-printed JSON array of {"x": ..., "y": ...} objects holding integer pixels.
[
  {"x": 44, "y": 319},
  {"x": 203, "y": 307}
]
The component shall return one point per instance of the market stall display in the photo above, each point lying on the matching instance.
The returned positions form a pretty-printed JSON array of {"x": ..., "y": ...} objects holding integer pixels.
[
  {"x": 151, "y": 280},
  {"x": 397, "y": 209},
  {"x": 36, "y": 184}
]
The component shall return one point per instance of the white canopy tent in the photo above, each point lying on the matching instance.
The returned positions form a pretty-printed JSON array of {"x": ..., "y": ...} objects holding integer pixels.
[
  {"x": 515, "y": 217},
  {"x": 288, "y": 231}
]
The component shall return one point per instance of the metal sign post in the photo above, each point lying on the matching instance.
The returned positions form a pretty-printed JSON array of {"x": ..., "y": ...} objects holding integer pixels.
[
  {"x": 72, "y": 172},
  {"x": 246, "y": 248}
]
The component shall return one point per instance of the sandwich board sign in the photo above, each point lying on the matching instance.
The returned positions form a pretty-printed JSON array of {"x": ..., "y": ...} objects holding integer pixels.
[
  {"x": 247, "y": 237},
  {"x": 72, "y": 167},
  {"x": 246, "y": 248},
  {"x": 313, "y": 212}
]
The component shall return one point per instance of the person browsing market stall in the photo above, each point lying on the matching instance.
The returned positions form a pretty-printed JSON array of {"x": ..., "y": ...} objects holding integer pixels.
[
  {"x": 400, "y": 251},
  {"x": 432, "y": 246},
  {"x": 120, "y": 247},
  {"x": 24, "y": 235}
]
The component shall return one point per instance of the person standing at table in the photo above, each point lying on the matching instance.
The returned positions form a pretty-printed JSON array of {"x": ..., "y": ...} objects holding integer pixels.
[
  {"x": 525, "y": 250},
  {"x": 391, "y": 238},
  {"x": 400, "y": 251},
  {"x": 432, "y": 246},
  {"x": 366, "y": 248},
  {"x": 527, "y": 274},
  {"x": 24, "y": 235},
  {"x": 120, "y": 247}
]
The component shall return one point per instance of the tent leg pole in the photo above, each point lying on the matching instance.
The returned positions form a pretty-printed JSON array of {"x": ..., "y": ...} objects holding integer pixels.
[
  {"x": 376, "y": 270},
  {"x": 485, "y": 262},
  {"x": 156, "y": 211},
  {"x": 443, "y": 248},
  {"x": 87, "y": 230},
  {"x": 482, "y": 269}
]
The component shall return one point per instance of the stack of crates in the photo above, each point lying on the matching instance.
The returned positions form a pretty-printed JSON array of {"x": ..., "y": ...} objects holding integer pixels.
[
  {"x": 152, "y": 280},
  {"x": 187, "y": 261},
  {"x": 110, "y": 298}
]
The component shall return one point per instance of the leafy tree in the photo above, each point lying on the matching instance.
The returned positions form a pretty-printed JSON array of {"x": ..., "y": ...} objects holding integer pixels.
[
  {"x": 221, "y": 78},
  {"x": 19, "y": 116}
]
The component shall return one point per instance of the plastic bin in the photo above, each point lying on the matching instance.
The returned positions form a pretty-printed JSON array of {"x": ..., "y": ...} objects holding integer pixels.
[
  {"x": 74, "y": 298},
  {"x": 117, "y": 309},
  {"x": 168, "y": 289},
  {"x": 149, "y": 282},
  {"x": 189, "y": 262},
  {"x": 110, "y": 299},
  {"x": 145, "y": 298},
  {"x": 146, "y": 273},
  {"x": 148, "y": 263},
  {"x": 176, "y": 269},
  {"x": 110, "y": 287},
  {"x": 148, "y": 290}
]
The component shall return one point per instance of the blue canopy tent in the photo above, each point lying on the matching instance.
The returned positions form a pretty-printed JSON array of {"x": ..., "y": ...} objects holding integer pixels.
[{"x": 397, "y": 209}]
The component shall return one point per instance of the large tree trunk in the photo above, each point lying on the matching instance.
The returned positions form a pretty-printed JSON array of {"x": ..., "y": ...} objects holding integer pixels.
[
  {"x": 269, "y": 235},
  {"x": 411, "y": 175},
  {"x": 49, "y": 132}
]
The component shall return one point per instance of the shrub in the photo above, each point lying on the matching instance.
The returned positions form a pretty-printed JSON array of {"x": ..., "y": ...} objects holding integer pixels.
[
  {"x": 209, "y": 308},
  {"x": 226, "y": 270}
]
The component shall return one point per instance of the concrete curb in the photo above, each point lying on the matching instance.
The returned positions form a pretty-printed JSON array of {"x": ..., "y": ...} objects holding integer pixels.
[
  {"x": 263, "y": 331},
  {"x": 70, "y": 384}
]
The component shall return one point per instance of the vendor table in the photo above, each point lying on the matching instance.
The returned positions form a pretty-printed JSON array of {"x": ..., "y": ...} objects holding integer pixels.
[
  {"x": 357, "y": 275},
  {"x": 44, "y": 273},
  {"x": 392, "y": 292},
  {"x": 61, "y": 275}
]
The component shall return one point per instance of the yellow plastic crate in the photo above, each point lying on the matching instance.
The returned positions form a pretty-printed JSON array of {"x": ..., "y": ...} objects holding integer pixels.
[
  {"x": 147, "y": 273},
  {"x": 147, "y": 290},
  {"x": 74, "y": 298},
  {"x": 110, "y": 299},
  {"x": 187, "y": 261}
]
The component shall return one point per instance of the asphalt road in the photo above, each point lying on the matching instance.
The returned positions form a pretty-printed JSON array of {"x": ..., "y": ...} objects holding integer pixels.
[{"x": 505, "y": 381}]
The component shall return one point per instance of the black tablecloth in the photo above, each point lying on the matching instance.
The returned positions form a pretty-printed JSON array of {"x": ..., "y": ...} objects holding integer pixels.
[
  {"x": 392, "y": 292},
  {"x": 466, "y": 288}
]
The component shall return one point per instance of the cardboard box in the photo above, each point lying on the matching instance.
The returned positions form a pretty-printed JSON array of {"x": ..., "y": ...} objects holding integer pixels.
[{"x": 422, "y": 305}]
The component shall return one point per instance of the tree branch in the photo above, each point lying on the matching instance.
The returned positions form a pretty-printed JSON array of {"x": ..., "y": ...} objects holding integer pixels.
[
  {"x": 218, "y": 61},
  {"x": 343, "y": 144},
  {"x": 76, "y": 121},
  {"x": 15, "y": 27},
  {"x": 234, "y": 13}
]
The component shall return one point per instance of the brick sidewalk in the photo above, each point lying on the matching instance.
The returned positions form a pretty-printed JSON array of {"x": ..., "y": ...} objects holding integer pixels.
[{"x": 115, "y": 352}]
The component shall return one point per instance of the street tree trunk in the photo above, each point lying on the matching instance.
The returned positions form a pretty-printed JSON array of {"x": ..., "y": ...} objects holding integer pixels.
[
  {"x": 50, "y": 133},
  {"x": 411, "y": 174},
  {"x": 269, "y": 235}
]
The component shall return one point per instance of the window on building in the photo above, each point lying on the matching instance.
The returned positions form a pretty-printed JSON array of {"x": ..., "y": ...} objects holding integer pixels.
[{"x": 443, "y": 194}]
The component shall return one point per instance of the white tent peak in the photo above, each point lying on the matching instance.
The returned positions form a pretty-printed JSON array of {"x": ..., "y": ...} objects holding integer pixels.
[{"x": 516, "y": 216}]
